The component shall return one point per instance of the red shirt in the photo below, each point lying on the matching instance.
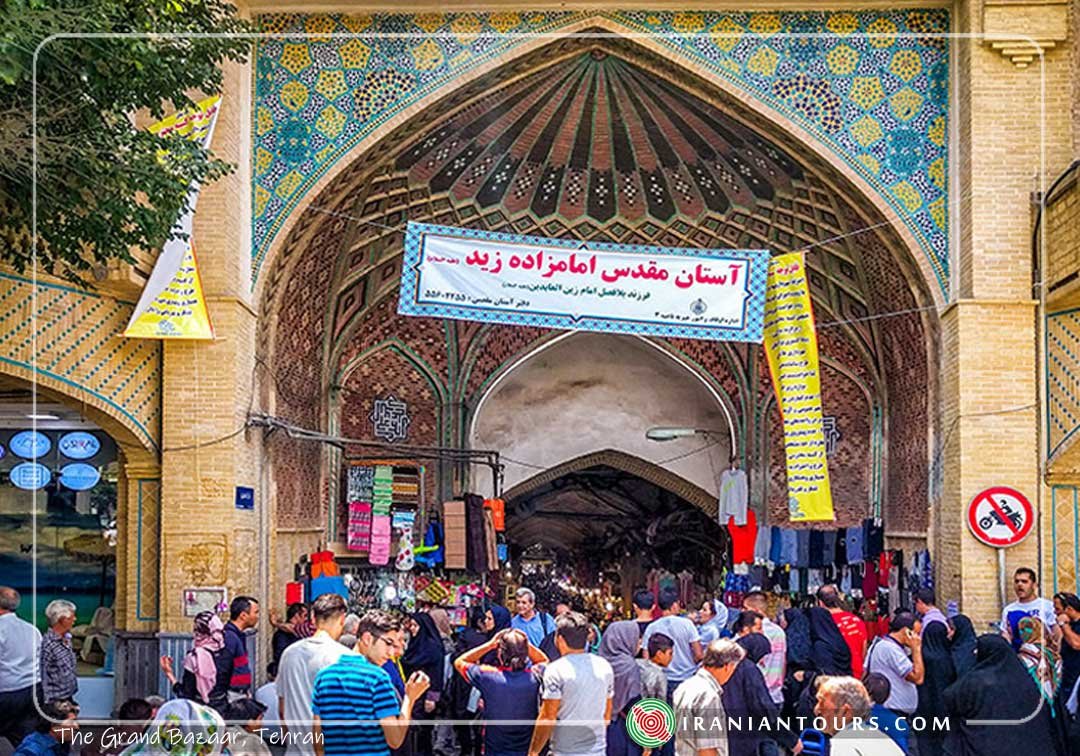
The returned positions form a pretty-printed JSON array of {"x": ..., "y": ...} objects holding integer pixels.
[
  {"x": 742, "y": 538},
  {"x": 854, "y": 631}
]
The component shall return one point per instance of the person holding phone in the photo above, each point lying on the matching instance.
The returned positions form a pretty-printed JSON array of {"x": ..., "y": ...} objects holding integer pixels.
[
  {"x": 898, "y": 656},
  {"x": 356, "y": 709}
]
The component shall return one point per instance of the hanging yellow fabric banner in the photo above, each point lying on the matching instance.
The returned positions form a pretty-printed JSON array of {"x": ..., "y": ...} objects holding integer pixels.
[
  {"x": 792, "y": 350},
  {"x": 172, "y": 305}
]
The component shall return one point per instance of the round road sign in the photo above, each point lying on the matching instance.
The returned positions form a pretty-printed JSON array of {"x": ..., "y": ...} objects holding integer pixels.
[{"x": 1000, "y": 517}]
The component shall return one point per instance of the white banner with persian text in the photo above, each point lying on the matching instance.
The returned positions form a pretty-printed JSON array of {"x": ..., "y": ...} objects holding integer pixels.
[{"x": 467, "y": 274}]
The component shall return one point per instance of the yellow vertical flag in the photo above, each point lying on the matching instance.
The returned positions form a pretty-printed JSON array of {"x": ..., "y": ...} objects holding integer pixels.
[
  {"x": 792, "y": 350},
  {"x": 172, "y": 304}
]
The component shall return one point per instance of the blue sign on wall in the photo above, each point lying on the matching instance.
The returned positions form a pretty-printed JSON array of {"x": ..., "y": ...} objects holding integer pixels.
[
  {"x": 79, "y": 476},
  {"x": 29, "y": 476},
  {"x": 79, "y": 445},
  {"x": 29, "y": 444},
  {"x": 245, "y": 497}
]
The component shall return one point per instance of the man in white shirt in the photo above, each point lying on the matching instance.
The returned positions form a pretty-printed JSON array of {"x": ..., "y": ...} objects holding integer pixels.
[
  {"x": 1028, "y": 604},
  {"x": 888, "y": 656},
  {"x": 267, "y": 695},
  {"x": 843, "y": 704},
  {"x": 299, "y": 665},
  {"x": 576, "y": 695},
  {"x": 20, "y": 644}
]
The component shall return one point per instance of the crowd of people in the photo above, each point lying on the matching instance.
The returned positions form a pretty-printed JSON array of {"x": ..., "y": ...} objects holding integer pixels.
[{"x": 815, "y": 679}]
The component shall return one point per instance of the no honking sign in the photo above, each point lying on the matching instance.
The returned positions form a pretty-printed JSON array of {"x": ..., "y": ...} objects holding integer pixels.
[{"x": 1000, "y": 517}]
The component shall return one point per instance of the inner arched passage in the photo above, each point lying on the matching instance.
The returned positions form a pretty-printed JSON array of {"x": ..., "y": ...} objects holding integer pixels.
[
  {"x": 611, "y": 511},
  {"x": 717, "y": 175}
]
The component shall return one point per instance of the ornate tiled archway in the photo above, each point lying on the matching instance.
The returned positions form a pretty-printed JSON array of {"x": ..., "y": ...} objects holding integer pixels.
[
  {"x": 658, "y": 155},
  {"x": 868, "y": 89}
]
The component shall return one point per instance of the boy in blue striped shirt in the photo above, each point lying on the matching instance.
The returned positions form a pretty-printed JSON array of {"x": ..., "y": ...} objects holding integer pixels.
[{"x": 356, "y": 699}]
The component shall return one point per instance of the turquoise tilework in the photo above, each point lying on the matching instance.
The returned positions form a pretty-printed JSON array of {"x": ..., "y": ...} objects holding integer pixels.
[
  {"x": 79, "y": 344},
  {"x": 871, "y": 85}
]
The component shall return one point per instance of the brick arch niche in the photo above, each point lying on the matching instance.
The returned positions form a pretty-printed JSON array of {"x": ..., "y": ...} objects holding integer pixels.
[{"x": 641, "y": 151}]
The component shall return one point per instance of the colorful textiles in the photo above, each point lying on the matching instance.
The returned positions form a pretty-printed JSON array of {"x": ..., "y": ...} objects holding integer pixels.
[{"x": 359, "y": 533}]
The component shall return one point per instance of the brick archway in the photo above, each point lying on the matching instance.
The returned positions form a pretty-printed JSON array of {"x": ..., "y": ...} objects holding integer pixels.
[{"x": 628, "y": 463}]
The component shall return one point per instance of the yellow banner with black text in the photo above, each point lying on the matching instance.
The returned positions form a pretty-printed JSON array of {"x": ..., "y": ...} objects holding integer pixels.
[
  {"x": 172, "y": 304},
  {"x": 792, "y": 350}
]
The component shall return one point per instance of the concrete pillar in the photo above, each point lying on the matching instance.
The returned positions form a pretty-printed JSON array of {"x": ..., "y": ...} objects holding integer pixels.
[{"x": 207, "y": 393}]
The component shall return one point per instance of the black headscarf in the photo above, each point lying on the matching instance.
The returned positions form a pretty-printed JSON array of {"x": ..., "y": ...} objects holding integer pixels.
[
  {"x": 997, "y": 688},
  {"x": 425, "y": 651},
  {"x": 798, "y": 639},
  {"x": 828, "y": 650},
  {"x": 756, "y": 646},
  {"x": 473, "y": 636},
  {"x": 963, "y": 644},
  {"x": 746, "y": 698},
  {"x": 940, "y": 674},
  {"x": 502, "y": 617}
]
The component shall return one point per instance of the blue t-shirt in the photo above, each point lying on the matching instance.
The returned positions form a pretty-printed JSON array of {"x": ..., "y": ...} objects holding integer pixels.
[
  {"x": 507, "y": 695},
  {"x": 892, "y": 724},
  {"x": 40, "y": 744},
  {"x": 354, "y": 689},
  {"x": 536, "y": 628},
  {"x": 682, "y": 632}
]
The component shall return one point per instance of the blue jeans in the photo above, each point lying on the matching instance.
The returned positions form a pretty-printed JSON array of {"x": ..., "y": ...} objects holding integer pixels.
[
  {"x": 668, "y": 748},
  {"x": 618, "y": 739}
]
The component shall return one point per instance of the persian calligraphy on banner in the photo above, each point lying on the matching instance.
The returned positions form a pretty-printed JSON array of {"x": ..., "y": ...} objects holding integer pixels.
[
  {"x": 792, "y": 350},
  {"x": 467, "y": 274},
  {"x": 172, "y": 305}
]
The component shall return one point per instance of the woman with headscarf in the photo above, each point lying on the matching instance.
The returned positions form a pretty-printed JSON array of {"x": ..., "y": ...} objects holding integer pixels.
[
  {"x": 464, "y": 698},
  {"x": 425, "y": 654},
  {"x": 997, "y": 689},
  {"x": 799, "y": 670},
  {"x": 829, "y": 652},
  {"x": 963, "y": 644},
  {"x": 443, "y": 734},
  {"x": 747, "y": 701},
  {"x": 200, "y": 668},
  {"x": 595, "y": 637},
  {"x": 939, "y": 675},
  {"x": 1041, "y": 663},
  {"x": 620, "y": 646},
  {"x": 797, "y": 629},
  {"x": 182, "y": 727},
  {"x": 714, "y": 617},
  {"x": 480, "y": 630},
  {"x": 502, "y": 617},
  {"x": 1044, "y": 667}
]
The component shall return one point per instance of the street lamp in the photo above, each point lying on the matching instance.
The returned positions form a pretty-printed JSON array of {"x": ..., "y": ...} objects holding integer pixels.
[{"x": 671, "y": 434}]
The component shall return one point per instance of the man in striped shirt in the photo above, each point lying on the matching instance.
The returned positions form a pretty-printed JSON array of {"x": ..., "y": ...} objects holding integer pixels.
[
  {"x": 772, "y": 666},
  {"x": 233, "y": 666},
  {"x": 355, "y": 706}
]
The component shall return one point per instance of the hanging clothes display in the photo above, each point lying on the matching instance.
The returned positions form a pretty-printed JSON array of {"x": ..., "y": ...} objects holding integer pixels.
[
  {"x": 476, "y": 543},
  {"x": 762, "y": 545},
  {"x": 734, "y": 496}
]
